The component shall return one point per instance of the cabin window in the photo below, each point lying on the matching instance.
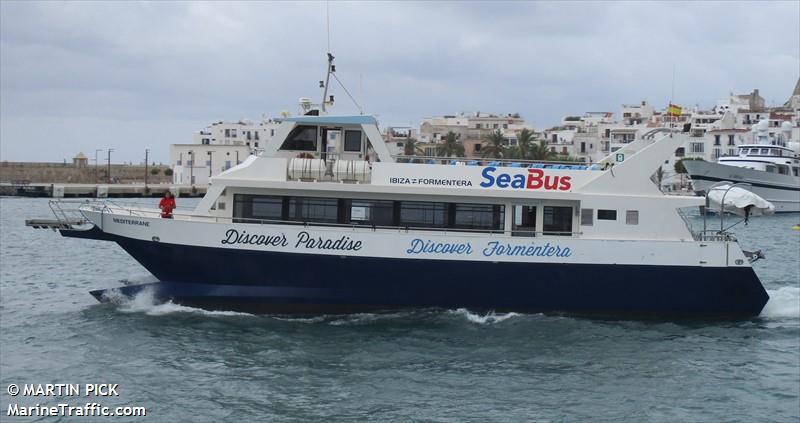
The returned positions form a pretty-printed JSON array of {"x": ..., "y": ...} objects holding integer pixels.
[
  {"x": 478, "y": 216},
  {"x": 310, "y": 209},
  {"x": 606, "y": 215},
  {"x": 771, "y": 169},
  {"x": 302, "y": 138},
  {"x": 524, "y": 221},
  {"x": 765, "y": 151},
  {"x": 557, "y": 220},
  {"x": 631, "y": 217},
  {"x": 352, "y": 141},
  {"x": 421, "y": 214},
  {"x": 257, "y": 207},
  {"x": 587, "y": 217},
  {"x": 372, "y": 212}
]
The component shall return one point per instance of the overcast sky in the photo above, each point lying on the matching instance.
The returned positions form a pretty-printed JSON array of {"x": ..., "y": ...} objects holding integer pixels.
[{"x": 88, "y": 75}]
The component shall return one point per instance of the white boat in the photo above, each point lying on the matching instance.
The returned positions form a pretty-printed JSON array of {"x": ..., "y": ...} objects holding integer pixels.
[
  {"x": 351, "y": 229},
  {"x": 771, "y": 167}
]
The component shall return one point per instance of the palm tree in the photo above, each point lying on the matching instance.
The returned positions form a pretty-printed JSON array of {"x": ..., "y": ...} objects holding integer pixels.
[
  {"x": 451, "y": 146},
  {"x": 540, "y": 151},
  {"x": 494, "y": 145},
  {"x": 524, "y": 140},
  {"x": 412, "y": 148}
]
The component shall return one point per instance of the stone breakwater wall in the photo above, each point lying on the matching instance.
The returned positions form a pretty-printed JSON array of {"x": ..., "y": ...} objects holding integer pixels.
[{"x": 35, "y": 172}]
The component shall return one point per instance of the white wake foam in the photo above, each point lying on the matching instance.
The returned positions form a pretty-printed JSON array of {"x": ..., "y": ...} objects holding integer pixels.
[
  {"x": 783, "y": 302},
  {"x": 367, "y": 318},
  {"x": 145, "y": 302},
  {"x": 488, "y": 318}
]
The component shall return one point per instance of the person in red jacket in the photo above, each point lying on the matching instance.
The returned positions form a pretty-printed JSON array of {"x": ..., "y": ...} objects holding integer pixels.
[{"x": 167, "y": 205}]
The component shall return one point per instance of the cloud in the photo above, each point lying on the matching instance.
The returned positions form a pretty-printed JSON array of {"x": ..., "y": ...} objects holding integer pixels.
[{"x": 135, "y": 75}]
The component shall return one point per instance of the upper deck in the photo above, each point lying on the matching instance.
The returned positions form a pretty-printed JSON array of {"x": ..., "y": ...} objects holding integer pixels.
[{"x": 330, "y": 163}]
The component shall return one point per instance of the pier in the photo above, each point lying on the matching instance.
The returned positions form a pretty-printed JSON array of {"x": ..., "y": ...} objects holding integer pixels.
[{"x": 55, "y": 190}]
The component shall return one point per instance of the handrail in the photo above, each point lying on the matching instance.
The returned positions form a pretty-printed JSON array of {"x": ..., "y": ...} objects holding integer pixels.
[
  {"x": 488, "y": 159},
  {"x": 710, "y": 235}
]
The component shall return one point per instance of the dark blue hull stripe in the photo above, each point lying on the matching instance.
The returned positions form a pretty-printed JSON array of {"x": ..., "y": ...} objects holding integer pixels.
[{"x": 288, "y": 282}]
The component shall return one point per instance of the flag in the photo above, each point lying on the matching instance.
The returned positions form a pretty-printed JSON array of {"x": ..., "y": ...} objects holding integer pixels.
[{"x": 674, "y": 110}]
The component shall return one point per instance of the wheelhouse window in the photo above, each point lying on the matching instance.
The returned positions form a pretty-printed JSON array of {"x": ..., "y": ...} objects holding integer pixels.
[
  {"x": 557, "y": 220},
  {"x": 606, "y": 215},
  {"x": 302, "y": 138},
  {"x": 372, "y": 212},
  {"x": 478, "y": 216},
  {"x": 310, "y": 209},
  {"x": 257, "y": 207},
  {"x": 422, "y": 214},
  {"x": 352, "y": 141}
]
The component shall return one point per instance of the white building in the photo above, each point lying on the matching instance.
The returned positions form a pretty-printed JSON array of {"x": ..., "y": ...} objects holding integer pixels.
[
  {"x": 396, "y": 138},
  {"x": 471, "y": 129},
  {"x": 217, "y": 148}
]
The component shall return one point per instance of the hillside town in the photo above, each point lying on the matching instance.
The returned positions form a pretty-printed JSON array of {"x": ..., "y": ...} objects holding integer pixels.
[
  {"x": 586, "y": 137},
  {"x": 480, "y": 136}
]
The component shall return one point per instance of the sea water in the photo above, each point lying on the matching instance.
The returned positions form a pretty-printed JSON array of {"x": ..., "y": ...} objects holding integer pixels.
[{"x": 186, "y": 364}]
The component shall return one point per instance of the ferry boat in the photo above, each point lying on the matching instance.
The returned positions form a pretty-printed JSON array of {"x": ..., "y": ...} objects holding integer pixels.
[
  {"x": 326, "y": 220},
  {"x": 771, "y": 168}
]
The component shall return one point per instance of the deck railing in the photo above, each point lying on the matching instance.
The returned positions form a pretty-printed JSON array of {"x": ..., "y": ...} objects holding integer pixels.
[{"x": 486, "y": 161}]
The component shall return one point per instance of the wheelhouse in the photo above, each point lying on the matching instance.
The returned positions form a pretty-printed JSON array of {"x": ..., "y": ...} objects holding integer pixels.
[
  {"x": 326, "y": 138},
  {"x": 768, "y": 158}
]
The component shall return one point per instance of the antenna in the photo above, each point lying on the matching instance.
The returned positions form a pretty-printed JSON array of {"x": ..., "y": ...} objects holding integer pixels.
[
  {"x": 332, "y": 69},
  {"x": 328, "y": 22}
]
